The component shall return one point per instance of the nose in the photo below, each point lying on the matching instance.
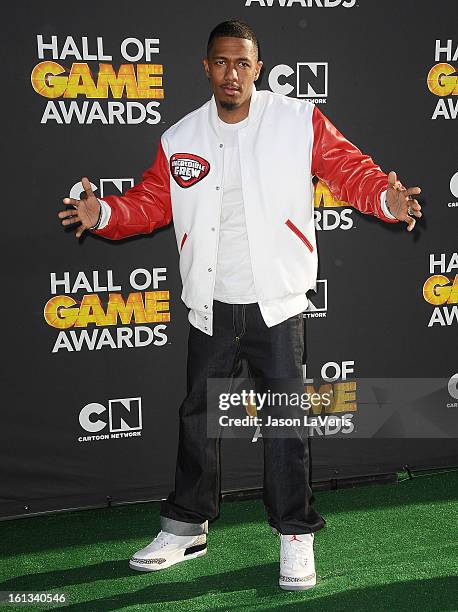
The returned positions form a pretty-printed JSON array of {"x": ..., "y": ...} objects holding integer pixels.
[{"x": 231, "y": 73}]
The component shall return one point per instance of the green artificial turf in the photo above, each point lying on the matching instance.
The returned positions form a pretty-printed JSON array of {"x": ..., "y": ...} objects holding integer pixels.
[{"x": 385, "y": 547}]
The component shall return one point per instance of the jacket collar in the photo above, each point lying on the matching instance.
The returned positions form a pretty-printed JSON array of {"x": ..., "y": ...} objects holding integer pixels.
[{"x": 253, "y": 112}]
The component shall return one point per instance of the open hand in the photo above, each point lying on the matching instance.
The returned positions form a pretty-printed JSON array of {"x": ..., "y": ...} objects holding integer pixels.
[
  {"x": 401, "y": 201},
  {"x": 85, "y": 211}
]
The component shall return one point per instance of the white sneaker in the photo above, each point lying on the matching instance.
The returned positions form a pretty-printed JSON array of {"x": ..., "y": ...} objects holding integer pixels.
[
  {"x": 297, "y": 562},
  {"x": 167, "y": 549}
]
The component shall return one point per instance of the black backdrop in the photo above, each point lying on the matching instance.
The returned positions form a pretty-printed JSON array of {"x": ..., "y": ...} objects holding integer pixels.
[{"x": 377, "y": 56}]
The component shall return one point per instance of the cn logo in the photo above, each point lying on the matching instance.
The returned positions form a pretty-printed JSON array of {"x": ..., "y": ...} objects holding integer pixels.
[
  {"x": 108, "y": 186},
  {"x": 453, "y": 386},
  {"x": 121, "y": 415},
  {"x": 318, "y": 302},
  {"x": 311, "y": 79},
  {"x": 454, "y": 185}
]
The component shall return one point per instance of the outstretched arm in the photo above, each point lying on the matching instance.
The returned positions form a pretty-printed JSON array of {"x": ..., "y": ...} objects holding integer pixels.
[
  {"x": 142, "y": 209},
  {"x": 353, "y": 177}
]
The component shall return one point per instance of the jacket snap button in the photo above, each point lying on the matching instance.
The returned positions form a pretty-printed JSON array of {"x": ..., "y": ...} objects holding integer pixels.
[
  {"x": 206, "y": 318},
  {"x": 205, "y": 306},
  {"x": 217, "y": 188},
  {"x": 209, "y": 269},
  {"x": 221, "y": 146}
]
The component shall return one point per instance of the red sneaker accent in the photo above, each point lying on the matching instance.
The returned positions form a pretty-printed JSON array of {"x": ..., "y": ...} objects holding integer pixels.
[{"x": 295, "y": 539}]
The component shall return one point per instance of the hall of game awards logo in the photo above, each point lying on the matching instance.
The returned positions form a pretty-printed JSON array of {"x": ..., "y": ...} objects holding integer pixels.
[
  {"x": 84, "y": 85},
  {"x": 442, "y": 79},
  {"x": 91, "y": 311},
  {"x": 441, "y": 289}
]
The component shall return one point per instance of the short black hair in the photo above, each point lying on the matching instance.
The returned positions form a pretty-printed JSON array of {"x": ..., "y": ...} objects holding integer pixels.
[{"x": 234, "y": 28}]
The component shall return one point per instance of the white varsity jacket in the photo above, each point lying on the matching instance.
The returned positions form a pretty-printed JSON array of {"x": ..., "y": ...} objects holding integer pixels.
[{"x": 284, "y": 144}]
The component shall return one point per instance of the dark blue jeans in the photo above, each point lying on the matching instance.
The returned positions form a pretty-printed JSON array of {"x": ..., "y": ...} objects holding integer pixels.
[{"x": 239, "y": 331}]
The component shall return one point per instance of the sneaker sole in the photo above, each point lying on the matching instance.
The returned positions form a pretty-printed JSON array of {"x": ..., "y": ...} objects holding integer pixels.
[
  {"x": 177, "y": 558},
  {"x": 297, "y": 586}
]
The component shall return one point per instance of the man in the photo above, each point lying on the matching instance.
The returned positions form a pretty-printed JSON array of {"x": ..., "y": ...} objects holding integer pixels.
[{"x": 236, "y": 176}]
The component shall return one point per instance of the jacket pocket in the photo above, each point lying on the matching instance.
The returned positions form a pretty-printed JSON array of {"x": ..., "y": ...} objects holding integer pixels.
[
  {"x": 183, "y": 240},
  {"x": 299, "y": 234}
]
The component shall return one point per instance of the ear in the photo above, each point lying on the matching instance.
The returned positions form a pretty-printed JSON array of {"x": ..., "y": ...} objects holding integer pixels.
[
  {"x": 258, "y": 70},
  {"x": 206, "y": 67}
]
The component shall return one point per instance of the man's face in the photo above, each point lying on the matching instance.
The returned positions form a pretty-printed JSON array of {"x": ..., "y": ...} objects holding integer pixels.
[{"x": 231, "y": 67}]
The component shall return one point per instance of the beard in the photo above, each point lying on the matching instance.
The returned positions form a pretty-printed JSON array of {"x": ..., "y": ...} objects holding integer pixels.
[{"x": 229, "y": 106}]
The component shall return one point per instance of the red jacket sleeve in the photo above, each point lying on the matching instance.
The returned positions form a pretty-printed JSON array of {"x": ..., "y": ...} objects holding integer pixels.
[
  {"x": 144, "y": 207},
  {"x": 350, "y": 175}
]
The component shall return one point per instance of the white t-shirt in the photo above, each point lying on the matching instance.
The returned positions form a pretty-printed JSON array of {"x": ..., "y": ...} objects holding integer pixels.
[{"x": 234, "y": 282}]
